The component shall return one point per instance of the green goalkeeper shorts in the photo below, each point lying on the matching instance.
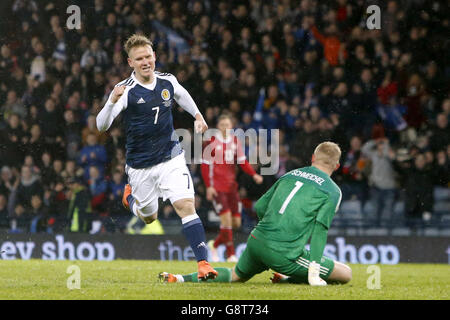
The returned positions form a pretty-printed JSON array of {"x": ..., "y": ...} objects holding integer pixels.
[{"x": 257, "y": 257}]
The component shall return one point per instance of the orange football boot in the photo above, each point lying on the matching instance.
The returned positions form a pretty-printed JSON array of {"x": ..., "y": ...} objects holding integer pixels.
[
  {"x": 126, "y": 193},
  {"x": 205, "y": 271}
]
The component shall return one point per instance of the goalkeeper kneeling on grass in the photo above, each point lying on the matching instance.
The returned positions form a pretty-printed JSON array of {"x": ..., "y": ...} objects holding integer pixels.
[{"x": 298, "y": 207}]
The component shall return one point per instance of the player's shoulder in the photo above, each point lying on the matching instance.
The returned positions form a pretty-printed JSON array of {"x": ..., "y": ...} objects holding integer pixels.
[
  {"x": 128, "y": 82},
  {"x": 165, "y": 76},
  {"x": 335, "y": 191},
  {"x": 331, "y": 190}
]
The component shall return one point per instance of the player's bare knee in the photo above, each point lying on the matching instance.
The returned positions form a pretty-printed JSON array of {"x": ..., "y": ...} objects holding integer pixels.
[
  {"x": 346, "y": 274},
  {"x": 184, "y": 207},
  {"x": 150, "y": 219}
]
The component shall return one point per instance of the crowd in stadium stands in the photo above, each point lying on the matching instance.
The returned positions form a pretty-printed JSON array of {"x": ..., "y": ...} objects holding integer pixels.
[{"x": 310, "y": 68}]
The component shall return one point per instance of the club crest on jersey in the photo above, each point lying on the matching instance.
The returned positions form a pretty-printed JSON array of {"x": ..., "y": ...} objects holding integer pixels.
[{"x": 165, "y": 94}]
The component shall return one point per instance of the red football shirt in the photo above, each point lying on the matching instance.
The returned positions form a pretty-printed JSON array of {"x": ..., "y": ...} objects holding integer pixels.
[{"x": 219, "y": 163}]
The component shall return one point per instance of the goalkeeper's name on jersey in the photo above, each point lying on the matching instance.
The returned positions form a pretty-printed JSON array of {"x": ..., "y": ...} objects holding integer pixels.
[{"x": 306, "y": 175}]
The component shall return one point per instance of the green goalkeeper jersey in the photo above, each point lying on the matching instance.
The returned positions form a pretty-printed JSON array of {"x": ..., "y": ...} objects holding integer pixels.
[{"x": 289, "y": 210}]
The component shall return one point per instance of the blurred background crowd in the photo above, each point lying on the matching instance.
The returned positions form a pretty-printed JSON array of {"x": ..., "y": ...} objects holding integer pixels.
[{"x": 310, "y": 68}]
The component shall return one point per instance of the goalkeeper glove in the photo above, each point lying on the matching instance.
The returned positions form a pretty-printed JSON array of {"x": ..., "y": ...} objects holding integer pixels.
[{"x": 313, "y": 275}]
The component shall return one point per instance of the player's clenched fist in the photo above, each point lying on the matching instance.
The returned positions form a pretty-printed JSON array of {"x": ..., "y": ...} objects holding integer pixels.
[
  {"x": 200, "y": 126},
  {"x": 117, "y": 93}
]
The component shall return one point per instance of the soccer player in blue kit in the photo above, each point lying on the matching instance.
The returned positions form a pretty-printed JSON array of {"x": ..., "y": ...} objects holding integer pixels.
[{"x": 155, "y": 162}]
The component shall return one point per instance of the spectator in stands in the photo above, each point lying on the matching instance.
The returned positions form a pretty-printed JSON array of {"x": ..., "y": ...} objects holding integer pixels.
[
  {"x": 382, "y": 178},
  {"x": 36, "y": 145},
  {"x": 305, "y": 140},
  {"x": 94, "y": 56},
  {"x": 72, "y": 136},
  {"x": 119, "y": 158},
  {"x": 58, "y": 200},
  {"x": 334, "y": 51},
  {"x": 440, "y": 137},
  {"x": 79, "y": 211},
  {"x": 8, "y": 181},
  {"x": 29, "y": 162},
  {"x": 91, "y": 128},
  {"x": 442, "y": 169},
  {"x": 48, "y": 174},
  {"x": 354, "y": 172},
  {"x": 58, "y": 167},
  {"x": 71, "y": 170},
  {"x": 38, "y": 215},
  {"x": 118, "y": 215},
  {"x": 12, "y": 105},
  {"x": 418, "y": 186},
  {"x": 114, "y": 141},
  {"x": 4, "y": 214},
  {"x": 12, "y": 138},
  {"x": 98, "y": 188},
  {"x": 8, "y": 62},
  {"x": 53, "y": 134},
  {"x": 28, "y": 187},
  {"x": 92, "y": 154},
  {"x": 20, "y": 220}
]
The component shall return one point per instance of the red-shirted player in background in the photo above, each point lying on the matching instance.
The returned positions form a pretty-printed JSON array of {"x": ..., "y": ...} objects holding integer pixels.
[{"x": 220, "y": 157}]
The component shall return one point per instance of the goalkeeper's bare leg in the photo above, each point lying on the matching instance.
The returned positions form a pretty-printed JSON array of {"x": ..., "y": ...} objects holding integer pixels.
[{"x": 341, "y": 274}]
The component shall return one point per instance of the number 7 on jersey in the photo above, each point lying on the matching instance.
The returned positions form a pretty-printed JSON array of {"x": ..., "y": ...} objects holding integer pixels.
[
  {"x": 156, "y": 116},
  {"x": 298, "y": 185}
]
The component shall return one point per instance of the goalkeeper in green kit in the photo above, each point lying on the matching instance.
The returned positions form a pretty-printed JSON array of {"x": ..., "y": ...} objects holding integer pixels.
[{"x": 299, "y": 207}]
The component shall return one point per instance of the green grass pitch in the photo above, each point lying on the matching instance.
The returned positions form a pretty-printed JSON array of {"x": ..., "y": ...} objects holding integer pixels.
[{"x": 122, "y": 279}]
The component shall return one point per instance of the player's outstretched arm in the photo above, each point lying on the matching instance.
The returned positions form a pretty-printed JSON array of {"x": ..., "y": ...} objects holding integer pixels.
[
  {"x": 184, "y": 99},
  {"x": 112, "y": 108},
  {"x": 210, "y": 191},
  {"x": 318, "y": 242},
  {"x": 319, "y": 236},
  {"x": 200, "y": 125},
  {"x": 245, "y": 165}
]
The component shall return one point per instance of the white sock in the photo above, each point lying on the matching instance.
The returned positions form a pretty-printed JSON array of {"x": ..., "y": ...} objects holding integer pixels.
[
  {"x": 189, "y": 218},
  {"x": 134, "y": 209}
]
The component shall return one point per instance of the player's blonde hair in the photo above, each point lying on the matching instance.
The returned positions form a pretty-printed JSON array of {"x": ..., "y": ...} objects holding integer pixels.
[
  {"x": 327, "y": 153},
  {"x": 137, "y": 40}
]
